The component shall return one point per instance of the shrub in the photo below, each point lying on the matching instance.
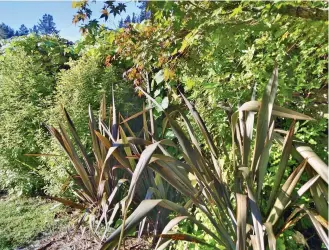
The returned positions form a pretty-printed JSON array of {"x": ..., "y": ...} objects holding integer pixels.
[
  {"x": 235, "y": 216},
  {"x": 28, "y": 71},
  {"x": 25, "y": 92},
  {"x": 36, "y": 78},
  {"x": 84, "y": 84},
  {"x": 99, "y": 175}
]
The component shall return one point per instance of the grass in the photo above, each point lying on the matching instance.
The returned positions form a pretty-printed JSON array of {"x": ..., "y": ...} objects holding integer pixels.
[{"x": 23, "y": 220}]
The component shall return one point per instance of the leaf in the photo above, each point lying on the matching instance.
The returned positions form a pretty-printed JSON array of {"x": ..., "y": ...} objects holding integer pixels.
[
  {"x": 313, "y": 159},
  {"x": 72, "y": 128},
  {"x": 127, "y": 149},
  {"x": 257, "y": 240},
  {"x": 122, "y": 160},
  {"x": 165, "y": 102},
  {"x": 322, "y": 234},
  {"x": 163, "y": 243},
  {"x": 191, "y": 132},
  {"x": 171, "y": 173},
  {"x": 289, "y": 221},
  {"x": 92, "y": 129},
  {"x": 248, "y": 131},
  {"x": 285, "y": 194},
  {"x": 307, "y": 186},
  {"x": 77, "y": 4},
  {"x": 68, "y": 147},
  {"x": 301, "y": 151},
  {"x": 148, "y": 196},
  {"x": 115, "y": 128},
  {"x": 46, "y": 155},
  {"x": 168, "y": 74},
  {"x": 187, "y": 237},
  {"x": 139, "y": 213},
  {"x": 159, "y": 77},
  {"x": 116, "y": 188},
  {"x": 287, "y": 146},
  {"x": 66, "y": 202},
  {"x": 264, "y": 116},
  {"x": 150, "y": 98},
  {"x": 241, "y": 221},
  {"x": 277, "y": 111},
  {"x": 271, "y": 236},
  {"x": 319, "y": 193},
  {"x": 201, "y": 125},
  {"x": 257, "y": 220},
  {"x": 263, "y": 162},
  {"x": 236, "y": 11},
  {"x": 135, "y": 115},
  {"x": 142, "y": 163}
]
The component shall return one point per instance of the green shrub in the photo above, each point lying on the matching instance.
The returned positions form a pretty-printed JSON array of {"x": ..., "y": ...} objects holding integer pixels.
[
  {"x": 28, "y": 68},
  {"x": 36, "y": 78},
  {"x": 25, "y": 92},
  {"x": 84, "y": 84}
]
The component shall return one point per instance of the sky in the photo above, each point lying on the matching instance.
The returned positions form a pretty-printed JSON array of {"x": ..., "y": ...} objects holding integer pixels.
[{"x": 15, "y": 13}]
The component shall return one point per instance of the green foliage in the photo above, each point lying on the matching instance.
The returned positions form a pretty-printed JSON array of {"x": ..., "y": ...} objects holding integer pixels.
[
  {"x": 36, "y": 79},
  {"x": 24, "y": 220},
  {"x": 234, "y": 216},
  {"x": 28, "y": 71},
  {"x": 85, "y": 83},
  {"x": 87, "y": 80},
  {"x": 50, "y": 53},
  {"x": 25, "y": 92},
  {"x": 218, "y": 51}
]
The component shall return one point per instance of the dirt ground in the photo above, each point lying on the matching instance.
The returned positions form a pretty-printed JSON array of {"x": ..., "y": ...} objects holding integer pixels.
[{"x": 80, "y": 241}]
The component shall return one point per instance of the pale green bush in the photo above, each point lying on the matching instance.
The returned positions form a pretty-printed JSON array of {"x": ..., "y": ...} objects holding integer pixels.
[{"x": 84, "y": 84}]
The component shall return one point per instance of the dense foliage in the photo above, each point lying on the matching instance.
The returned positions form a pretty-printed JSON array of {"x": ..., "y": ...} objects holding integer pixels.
[
  {"x": 236, "y": 217},
  {"x": 87, "y": 81},
  {"x": 218, "y": 51},
  {"x": 28, "y": 72},
  {"x": 38, "y": 75},
  {"x": 228, "y": 183}
]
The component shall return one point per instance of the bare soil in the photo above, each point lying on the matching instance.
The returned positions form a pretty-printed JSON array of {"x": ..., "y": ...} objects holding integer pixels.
[{"x": 79, "y": 241}]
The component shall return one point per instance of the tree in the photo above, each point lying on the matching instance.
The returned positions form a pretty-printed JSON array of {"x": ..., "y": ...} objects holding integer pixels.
[
  {"x": 127, "y": 20},
  {"x": 134, "y": 18},
  {"x": 6, "y": 31},
  {"x": 23, "y": 31},
  {"x": 2, "y": 33},
  {"x": 34, "y": 29},
  {"x": 46, "y": 25},
  {"x": 144, "y": 15},
  {"x": 121, "y": 23}
]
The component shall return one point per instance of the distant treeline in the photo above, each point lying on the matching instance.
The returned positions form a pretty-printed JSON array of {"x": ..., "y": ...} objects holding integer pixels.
[{"x": 45, "y": 26}]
